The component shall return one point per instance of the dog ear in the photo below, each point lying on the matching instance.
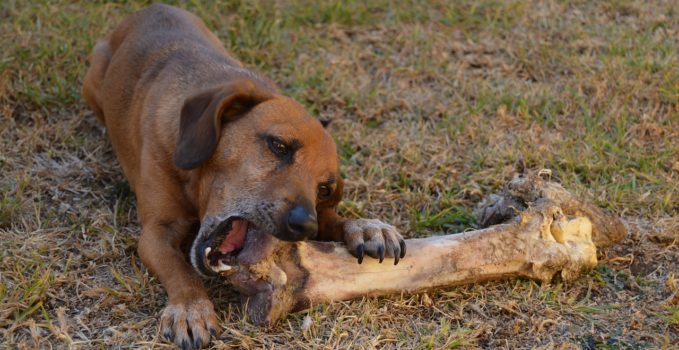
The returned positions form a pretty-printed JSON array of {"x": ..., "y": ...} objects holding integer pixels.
[{"x": 203, "y": 115}]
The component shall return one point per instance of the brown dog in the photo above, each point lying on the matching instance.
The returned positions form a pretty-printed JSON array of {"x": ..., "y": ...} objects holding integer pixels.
[{"x": 213, "y": 152}]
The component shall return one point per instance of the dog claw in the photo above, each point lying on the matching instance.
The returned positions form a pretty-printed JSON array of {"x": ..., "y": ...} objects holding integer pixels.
[
  {"x": 395, "y": 251},
  {"x": 360, "y": 252},
  {"x": 197, "y": 343},
  {"x": 213, "y": 332},
  {"x": 402, "y": 243},
  {"x": 186, "y": 345},
  {"x": 380, "y": 253},
  {"x": 168, "y": 335}
]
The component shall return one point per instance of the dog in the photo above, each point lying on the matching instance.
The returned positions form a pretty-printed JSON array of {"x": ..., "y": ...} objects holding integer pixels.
[{"x": 201, "y": 139}]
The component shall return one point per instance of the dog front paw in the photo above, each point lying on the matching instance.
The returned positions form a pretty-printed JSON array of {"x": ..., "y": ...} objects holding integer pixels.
[
  {"x": 189, "y": 325},
  {"x": 374, "y": 238}
]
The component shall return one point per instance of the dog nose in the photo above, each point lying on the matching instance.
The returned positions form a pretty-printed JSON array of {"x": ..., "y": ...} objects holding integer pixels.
[{"x": 302, "y": 223}]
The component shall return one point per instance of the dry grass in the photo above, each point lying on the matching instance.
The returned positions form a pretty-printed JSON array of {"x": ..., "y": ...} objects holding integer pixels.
[{"x": 431, "y": 105}]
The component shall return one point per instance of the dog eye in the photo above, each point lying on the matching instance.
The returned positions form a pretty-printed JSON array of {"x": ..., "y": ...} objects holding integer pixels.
[
  {"x": 324, "y": 191},
  {"x": 278, "y": 147}
]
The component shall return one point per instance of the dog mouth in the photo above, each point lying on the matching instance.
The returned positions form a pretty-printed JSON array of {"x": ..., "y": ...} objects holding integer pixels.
[{"x": 221, "y": 248}]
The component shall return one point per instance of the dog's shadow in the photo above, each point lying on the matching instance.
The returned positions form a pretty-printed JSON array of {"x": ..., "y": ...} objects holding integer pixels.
[{"x": 226, "y": 299}]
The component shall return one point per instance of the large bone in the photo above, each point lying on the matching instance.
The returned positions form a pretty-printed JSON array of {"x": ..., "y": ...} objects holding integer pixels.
[{"x": 536, "y": 243}]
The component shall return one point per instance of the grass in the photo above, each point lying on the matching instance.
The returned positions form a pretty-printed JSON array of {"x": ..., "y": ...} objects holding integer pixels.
[
  {"x": 431, "y": 104},
  {"x": 671, "y": 316}
]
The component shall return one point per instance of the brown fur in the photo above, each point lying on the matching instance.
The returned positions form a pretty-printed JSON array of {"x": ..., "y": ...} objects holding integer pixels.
[{"x": 186, "y": 122}]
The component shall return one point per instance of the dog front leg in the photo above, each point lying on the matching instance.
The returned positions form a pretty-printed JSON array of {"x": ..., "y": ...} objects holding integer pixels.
[{"x": 189, "y": 318}]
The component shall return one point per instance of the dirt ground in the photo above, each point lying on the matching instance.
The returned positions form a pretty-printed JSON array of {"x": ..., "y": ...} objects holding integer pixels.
[{"x": 431, "y": 104}]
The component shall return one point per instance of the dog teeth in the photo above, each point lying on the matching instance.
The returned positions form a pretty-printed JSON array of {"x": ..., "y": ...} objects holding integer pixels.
[{"x": 221, "y": 267}]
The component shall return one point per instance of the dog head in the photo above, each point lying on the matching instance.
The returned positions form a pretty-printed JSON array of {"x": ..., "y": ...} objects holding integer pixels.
[{"x": 261, "y": 163}]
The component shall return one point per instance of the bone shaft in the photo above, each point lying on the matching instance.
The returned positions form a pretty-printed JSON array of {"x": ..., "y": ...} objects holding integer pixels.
[{"x": 333, "y": 274}]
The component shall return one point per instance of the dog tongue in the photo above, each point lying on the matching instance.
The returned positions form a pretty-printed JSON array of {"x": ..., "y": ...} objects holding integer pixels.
[{"x": 236, "y": 237}]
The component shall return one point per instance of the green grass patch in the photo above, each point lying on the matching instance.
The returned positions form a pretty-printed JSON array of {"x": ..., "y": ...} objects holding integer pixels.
[{"x": 447, "y": 220}]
